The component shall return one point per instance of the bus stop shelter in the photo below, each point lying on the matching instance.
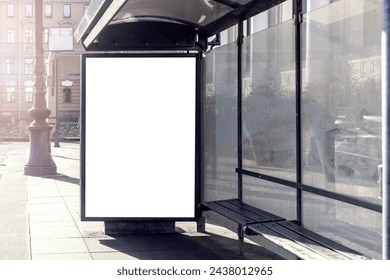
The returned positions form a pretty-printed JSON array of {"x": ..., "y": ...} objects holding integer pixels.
[{"x": 263, "y": 114}]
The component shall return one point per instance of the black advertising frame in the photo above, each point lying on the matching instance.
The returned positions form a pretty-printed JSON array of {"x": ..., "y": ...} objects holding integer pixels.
[{"x": 197, "y": 126}]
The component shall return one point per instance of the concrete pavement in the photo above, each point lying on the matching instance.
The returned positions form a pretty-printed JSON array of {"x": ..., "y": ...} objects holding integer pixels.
[{"x": 40, "y": 220}]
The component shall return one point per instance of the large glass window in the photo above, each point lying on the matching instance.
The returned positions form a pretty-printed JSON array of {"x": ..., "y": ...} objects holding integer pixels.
[
  {"x": 269, "y": 102},
  {"x": 268, "y": 112},
  {"x": 341, "y": 112},
  {"x": 220, "y": 123}
]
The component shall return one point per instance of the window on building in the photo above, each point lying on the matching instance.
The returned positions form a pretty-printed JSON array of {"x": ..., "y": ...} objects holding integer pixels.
[
  {"x": 48, "y": 10},
  {"x": 29, "y": 10},
  {"x": 11, "y": 35},
  {"x": 67, "y": 95},
  {"x": 29, "y": 93},
  {"x": 10, "y": 66},
  {"x": 29, "y": 35},
  {"x": 10, "y": 94},
  {"x": 85, "y": 8},
  {"x": 67, "y": 11},
  {"x": 10, "y": 10},
  {"x": 47, "y": 68},
  {"x": 29, "y": 66},
  {"x": 46, "y": 36}
]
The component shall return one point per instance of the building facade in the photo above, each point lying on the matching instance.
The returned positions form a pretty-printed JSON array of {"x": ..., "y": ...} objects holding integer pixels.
[{"x": 17, "y": 29}]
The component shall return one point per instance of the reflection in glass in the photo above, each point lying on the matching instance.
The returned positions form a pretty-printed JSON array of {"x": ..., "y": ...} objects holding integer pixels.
[
  {"x": 274, "y": 198},
  {"x": 355, "y": 227},
  {"x": 269, "y": 135},
  {"x": 188, "y": 11},
  {"x": 220, "y": 123},
  {"x": 341, "y": 112}
]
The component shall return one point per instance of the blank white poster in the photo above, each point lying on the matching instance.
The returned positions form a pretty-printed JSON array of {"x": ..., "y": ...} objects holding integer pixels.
[{"x": 139, "y": 122}]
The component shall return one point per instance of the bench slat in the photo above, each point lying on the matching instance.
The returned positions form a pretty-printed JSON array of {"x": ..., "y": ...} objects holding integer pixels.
[
  {"x": 269, "y": 216},
  {"x": 349, "y": 253},
  {"x": 306, "y": 242},
  {"x": 289, "y": 245},
  {"x": 244, "y": 212},
  {"x": 230, "y": 214}
]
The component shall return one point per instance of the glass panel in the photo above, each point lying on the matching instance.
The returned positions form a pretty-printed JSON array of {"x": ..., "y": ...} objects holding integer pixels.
[
  {"x": 89, "y": 15},
  {"x": 341, "y": 111},
  {"x": 269, "y": 134},
  {"x": 342, "y": 98},
  {"x": 355, "y": 227},
  {"x": 310, "y": 5},
  {"x": 274, "y": 198},
  {"x": 220, "y": 123},
  {"x": 273, "y": 16},
  {"x": 196, "y": 12}
]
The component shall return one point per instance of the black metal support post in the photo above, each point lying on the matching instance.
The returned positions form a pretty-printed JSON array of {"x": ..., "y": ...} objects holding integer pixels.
[
  {"x": 239, "y": 105},
  {"x": 298, "y": 90},
  {"x": 240, "y": 38},
  {"x": 386, "y": 130}
]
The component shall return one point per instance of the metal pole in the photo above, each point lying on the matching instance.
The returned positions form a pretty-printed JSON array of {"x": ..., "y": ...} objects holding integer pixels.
[
  {"x": 298, "y": 91},
  {"x": 239, "y": 105},
  {"x": 40, "y": 161},
  {"x": 240, "y": 38},
  {"x": 55, "y": 88},
  {"x": 386, "y": 130}
]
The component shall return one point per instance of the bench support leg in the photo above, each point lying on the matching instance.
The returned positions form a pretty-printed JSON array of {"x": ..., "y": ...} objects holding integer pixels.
[
  {"x": 240, "y": 243},
  {"x": 201, "y": 224}
]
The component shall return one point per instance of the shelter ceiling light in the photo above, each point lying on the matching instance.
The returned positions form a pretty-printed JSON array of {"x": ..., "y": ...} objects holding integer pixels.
[{"x": 201, "y": 19}]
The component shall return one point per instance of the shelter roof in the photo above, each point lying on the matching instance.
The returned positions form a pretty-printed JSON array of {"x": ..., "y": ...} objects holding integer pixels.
[{"x": 161, "y": 24}]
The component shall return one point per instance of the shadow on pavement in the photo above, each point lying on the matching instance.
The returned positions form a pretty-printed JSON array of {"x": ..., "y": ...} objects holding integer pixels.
[
  {"x": 64, "y": 178},
  {"x": 177, "y": 246}
]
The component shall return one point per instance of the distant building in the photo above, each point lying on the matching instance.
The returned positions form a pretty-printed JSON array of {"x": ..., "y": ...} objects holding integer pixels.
[{"x": 62, "y": 56}]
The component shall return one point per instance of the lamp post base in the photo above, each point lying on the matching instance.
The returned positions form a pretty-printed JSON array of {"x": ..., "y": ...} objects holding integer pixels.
[
  {"x": 40, "y": 162},
  {"x": 40, "y": 170}
]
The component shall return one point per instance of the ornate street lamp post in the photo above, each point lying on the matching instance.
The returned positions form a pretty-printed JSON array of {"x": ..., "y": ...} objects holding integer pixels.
[{"x": 40, "y": 161}]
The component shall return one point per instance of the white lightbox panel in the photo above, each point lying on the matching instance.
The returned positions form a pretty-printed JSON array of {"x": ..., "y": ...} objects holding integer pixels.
[{"x": 140, "y": 137}]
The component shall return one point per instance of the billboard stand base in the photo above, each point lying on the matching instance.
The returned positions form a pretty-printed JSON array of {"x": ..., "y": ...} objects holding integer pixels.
[{"x": 138, "y": 227}]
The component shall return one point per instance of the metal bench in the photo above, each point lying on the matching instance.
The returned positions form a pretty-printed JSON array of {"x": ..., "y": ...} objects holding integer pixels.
[
  {"x": 239, "y": 212},
  {"x": 301, "y": 243},
  {"x": 286, "y": 238}
]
